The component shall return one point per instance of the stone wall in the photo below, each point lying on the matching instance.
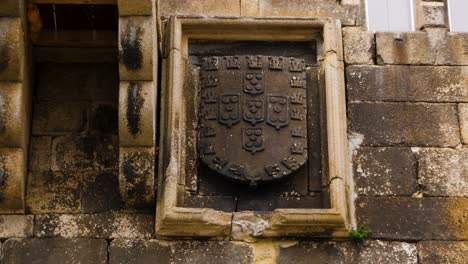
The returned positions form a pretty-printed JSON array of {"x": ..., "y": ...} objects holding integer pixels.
[{"x": 407, "y": 106}]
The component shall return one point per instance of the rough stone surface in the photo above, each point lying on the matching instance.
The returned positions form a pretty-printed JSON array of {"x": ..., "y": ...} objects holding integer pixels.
[
  {"x": 414, "y": 218},
  {"x": 441, "y": 252},
  {"x": 55, "y": 118},
  {"x": 432, "y": 14},
  {"x": 16, "y": 226},
  {"x": 132, "y": 7},
  {"x": 137, "y": 178},
  {"x": 39, "y": 153},
  {"x": 436, "y": 46},
  {"x": 12, "y": 114},
  {"x": 71, "y": 153},
  {"x": 11, "y": 49},
  {"x": 67, "y": 251},
  {"x": 205, "y": 7},
  {"x": 108, "y": 225},
  {"x": 388, "y": 124},
  {"x": 12, "y": 180},
  {"x": 444, "y": 172},
  {"x": 358, "y": 45},
  {"x": 308, "y": 8},
  {"x": 136, "y": 48},
  {"x": 463, "y": 116},
  {"x": 369, "y": 252},
  {"x": 53, "y": 192},
  {"x": 151, "y": 251},
  {"x": 136, "y": 114},
  {"x": 385, "y": 171},
  {"x": 100, "y": 191},
  {"x": 407, "y": 83}
]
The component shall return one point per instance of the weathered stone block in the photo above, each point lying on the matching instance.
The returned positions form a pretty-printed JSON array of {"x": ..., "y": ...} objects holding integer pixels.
[
  {"x": 410, "y": 218},
  {"x": 308, "y": 8},
  {"x": 16, "y": 226},
  {"x": 407, "y": 83},
  {"x": 136, "y": 48},
  {"x": 71, "y": 153},
  {"x": 135, "y": 7},
  {"x": 53, "y": 192},
  {"x": 9, "y": 8},
  {"x": 431, "y": 14},
  {"x": 436, "y": 46},
  {"x": 136, "y": 114},
  {"x": 463, "y": 116},
  {"x": 100, "y": 191},
  {"x": 12, "y": 180},
  {"x": 66, "y": 81},
  {"x": 11, "y": 49},
  {"x": 389, "y": 124},
  {"x": 359, "y": 45},
  {"x": 385, "y": 171},
  {"x": 33, "y": 250},
  {"x": 39, "y": 153},
  {"x": 55, "y": 118},
  {"x": 136, "y": 178},
  {"x": 205, "y": 7},
  {"x": 440, "y": 252},
  {"x": 104, "y": 119},
  {"x": 369, "y": 252},
  {"x": 249, "y": 7},
  {"x": 444, "y": 172},
  {"x": 151, "y": 251},
  {"x": 109, "y": 226},
  {"x": 12, "y": 114}
]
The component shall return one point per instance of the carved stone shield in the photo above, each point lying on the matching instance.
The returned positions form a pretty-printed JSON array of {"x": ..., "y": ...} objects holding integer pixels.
[{"x": 252, "y": 117}]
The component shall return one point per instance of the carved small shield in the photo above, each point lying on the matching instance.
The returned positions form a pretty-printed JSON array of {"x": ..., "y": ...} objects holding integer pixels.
[{"x": 252, "y": 119}]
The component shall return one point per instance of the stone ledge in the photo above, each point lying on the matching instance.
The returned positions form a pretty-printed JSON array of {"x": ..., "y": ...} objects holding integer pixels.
[
  {"x": 441, "y": 252},
  {"x": 408, "y": 218},
  {"x": 200, "y": 7},
  {"x": 33, "y": 250}
]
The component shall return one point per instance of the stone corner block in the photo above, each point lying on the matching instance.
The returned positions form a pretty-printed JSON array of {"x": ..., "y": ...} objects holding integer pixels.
[
  {"x": 12, "y": 180},
  {"x": 136, "y": 48},
  {"x": 135, "y": 7},
  {"x": 12, "y": 115},
  {"x": 136, "y": 178},
  {"x": 358, "y": 45},
  {"x": 136, "y": 114},
  {"x": 463, "y": 112},
  {"x": 16, "y": 226},
  {"x": 11, "y": 49}
]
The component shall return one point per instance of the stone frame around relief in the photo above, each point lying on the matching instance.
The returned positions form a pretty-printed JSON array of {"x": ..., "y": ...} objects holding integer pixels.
[{"x": 173, "y": 220}]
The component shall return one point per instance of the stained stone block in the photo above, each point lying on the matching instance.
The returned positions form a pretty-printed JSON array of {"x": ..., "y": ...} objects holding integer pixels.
[
  {"x": 100, "y": 191},
  {"x": 408, "y": 218},
  {"x": 205, "y": 7},
  {"x": 151, "y": 251},
  {"x": 441, "y": 252},
  {"x": 109, "y": 226},
  {"x": 12, "y": 114},
  {"x": 463, "y": 113},
  {"x": 9, "y": 8},
  {"x": 72, "y": 153},
  {"x": 385, "y": 171},
  {"x": 136, "y": 178},
  {"x": 444, "y": 171},
  {"x": 359, "y": 45},
  {"x": 16, "y": 226},
  {"x": 136, "y": 114},
  {"x": 136, "y": 48},
  {"x": 12, "y": 180},
  {"x": 11, "y": 49},
  {"x": 404, "y": 124},
  {"x": 39, "y": 153},
  {"x": 407, "y": 83},
  {"x": 33, "y": 250},
  {"x": 53, "y": 192},
  {"x": 55, "y": 118},
  {"x": 134, "y": 7}
]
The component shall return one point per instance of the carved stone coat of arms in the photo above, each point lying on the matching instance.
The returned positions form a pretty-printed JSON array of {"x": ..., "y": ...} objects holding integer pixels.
[{"x": 252, "y": 117}]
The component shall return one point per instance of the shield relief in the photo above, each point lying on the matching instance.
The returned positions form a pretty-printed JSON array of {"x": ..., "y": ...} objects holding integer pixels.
[{"x": 252, "y": 117}]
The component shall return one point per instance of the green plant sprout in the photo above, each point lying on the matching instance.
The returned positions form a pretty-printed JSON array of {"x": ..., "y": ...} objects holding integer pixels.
[{"x": 360, "y": 234}]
